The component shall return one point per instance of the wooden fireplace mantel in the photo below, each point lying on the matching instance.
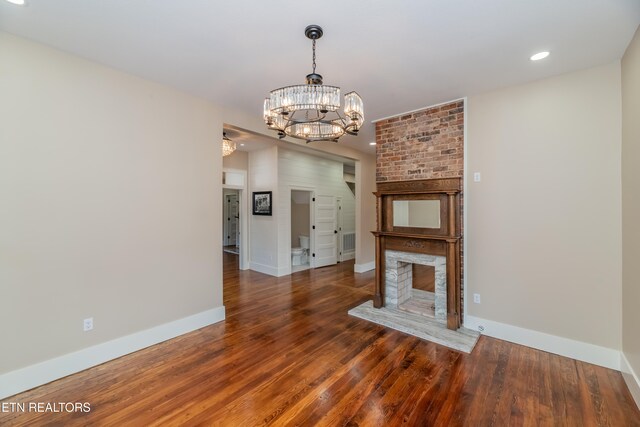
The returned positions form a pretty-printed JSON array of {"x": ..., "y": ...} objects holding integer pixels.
[{"x": 442, "y": 241}]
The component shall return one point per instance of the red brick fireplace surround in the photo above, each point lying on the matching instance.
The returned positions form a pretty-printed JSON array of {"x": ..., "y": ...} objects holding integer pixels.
[{"x": 423, "y": 144}]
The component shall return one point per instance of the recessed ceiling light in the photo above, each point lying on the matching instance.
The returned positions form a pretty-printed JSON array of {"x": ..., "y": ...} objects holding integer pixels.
[
  {"x": 241, "y": 145},
  {"x": 372, "y": 143},
  {"x": 18, "y": 2},
  {"x": 538, "y": 56}
]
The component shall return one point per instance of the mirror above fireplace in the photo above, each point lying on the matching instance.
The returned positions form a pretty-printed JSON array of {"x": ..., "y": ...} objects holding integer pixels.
[{"x": 416, "y": 213}]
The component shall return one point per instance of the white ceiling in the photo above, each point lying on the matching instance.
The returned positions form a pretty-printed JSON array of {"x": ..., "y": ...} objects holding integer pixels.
[
  {"x": 250, "y": 141},
  {"x": 398, "y": 55}
]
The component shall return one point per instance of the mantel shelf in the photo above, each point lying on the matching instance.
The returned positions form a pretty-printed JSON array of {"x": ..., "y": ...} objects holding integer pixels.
[
  {"x": 415, "y": 236},
  {"x": 401, "y": 192}
]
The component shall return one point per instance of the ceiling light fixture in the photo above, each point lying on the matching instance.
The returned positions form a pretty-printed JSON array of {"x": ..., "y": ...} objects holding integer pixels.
[
  {"x": 18, "y": 2},
  {"x": 538, "y": 56},
  {"x": 228, "y": 146},
  {"x": 311, "y": 111},
  {"x": 372, "y": 143}
]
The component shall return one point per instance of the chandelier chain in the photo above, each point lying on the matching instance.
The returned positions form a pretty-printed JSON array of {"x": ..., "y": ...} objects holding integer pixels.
[{"x": 314, "y": 56}]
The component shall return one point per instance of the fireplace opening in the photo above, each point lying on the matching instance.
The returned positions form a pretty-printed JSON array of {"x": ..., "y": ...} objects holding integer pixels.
[
  {"x": 416, "y": 283},
  {"x": 424, "y": 277},
  {"x": 422, "y": 299}
]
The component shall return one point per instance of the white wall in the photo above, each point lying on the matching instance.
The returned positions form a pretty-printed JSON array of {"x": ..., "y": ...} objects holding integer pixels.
[
  {"x": 631, "y": 214},
  {"x": 544, "y": 224},
  {"x": 365, "y": 213},
  {"x": 365, "y": 185},
  {"x": 236, "y": 160},
  {"x": 110, "y": 190},
  {"x": 324, "y": 177},
  {"x": 263, "y": 230}
]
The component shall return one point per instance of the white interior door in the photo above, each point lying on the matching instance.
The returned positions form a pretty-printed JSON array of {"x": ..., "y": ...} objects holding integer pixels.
[
  {"x": 326, "y": 228},
  {"x": 339, "y": 227},
  {"x": 232, "y": 220}
]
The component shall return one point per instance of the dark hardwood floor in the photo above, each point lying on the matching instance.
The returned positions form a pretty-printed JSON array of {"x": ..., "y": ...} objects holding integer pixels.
[{"x": 288, "y": 354}]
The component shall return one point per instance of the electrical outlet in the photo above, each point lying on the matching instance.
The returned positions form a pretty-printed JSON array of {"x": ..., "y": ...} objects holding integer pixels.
[
  {"x": 476, "y": 177},
  {"x": 476, "y": 298},
  {"x": 87, "y": 324}
]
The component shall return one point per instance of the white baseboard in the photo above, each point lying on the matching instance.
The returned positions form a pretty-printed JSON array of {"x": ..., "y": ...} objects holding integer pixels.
[
  {"x": 347, "y": 255},
  {"x": 578, "y": 350},
  {"x": 362, "y": 268},
  {"x": 266, "y": 269},
  {"x": 284, "y": 271},
  {"x": 44, "y": 372},
  {"x": 630, "y": 378}
]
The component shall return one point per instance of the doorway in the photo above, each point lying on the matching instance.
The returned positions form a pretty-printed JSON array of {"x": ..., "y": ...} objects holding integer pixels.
[
  {"x": 234, "y": 218},
  {"x": 231, "y": 221},
  {"x": 301, "y": 230}
]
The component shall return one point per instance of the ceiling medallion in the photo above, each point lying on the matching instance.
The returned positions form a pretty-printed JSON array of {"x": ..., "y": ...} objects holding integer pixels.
[
  {"x": 228, "y": 146},
  {"x": 312, "y": 111}
]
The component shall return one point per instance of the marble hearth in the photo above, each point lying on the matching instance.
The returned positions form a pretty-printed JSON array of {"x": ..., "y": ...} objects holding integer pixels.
[
  {"x": 413, "y": 311},
  {"x": 399, "y": 293}
]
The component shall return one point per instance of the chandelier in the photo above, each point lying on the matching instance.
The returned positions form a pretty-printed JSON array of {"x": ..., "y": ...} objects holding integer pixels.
[
  {"x": 228, "y": 146},
  {"x": 312, "y": 111}
]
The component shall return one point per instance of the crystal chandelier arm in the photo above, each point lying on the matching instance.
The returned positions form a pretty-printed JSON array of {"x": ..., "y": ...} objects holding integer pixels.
[
  {"x": 321, "y": 117},
  {"x": 354, "y": 110}
]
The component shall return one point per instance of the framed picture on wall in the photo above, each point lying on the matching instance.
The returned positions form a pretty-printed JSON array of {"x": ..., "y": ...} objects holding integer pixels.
[{"x": 262, "y": 203}]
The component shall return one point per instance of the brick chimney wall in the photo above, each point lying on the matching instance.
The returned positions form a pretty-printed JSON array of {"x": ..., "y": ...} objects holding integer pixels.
[{"x": 422, "y": 145}]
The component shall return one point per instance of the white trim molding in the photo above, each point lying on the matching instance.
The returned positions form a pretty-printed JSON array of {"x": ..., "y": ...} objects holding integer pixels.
[
  {"x": 243, "y": 195},
  {"x": 266, "y": 269},
  {"x": 631, "y": 378},
  {"x": 346, "y": 256},
  {"x": 591, "y": 353},
  {"x": 465, "y": 211},
  {"x": 284, "y": 271},
  {"x": 362, "y": 268},
  {"x": 421, "y": 109},
  {"x": 50, "y": 370}
]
